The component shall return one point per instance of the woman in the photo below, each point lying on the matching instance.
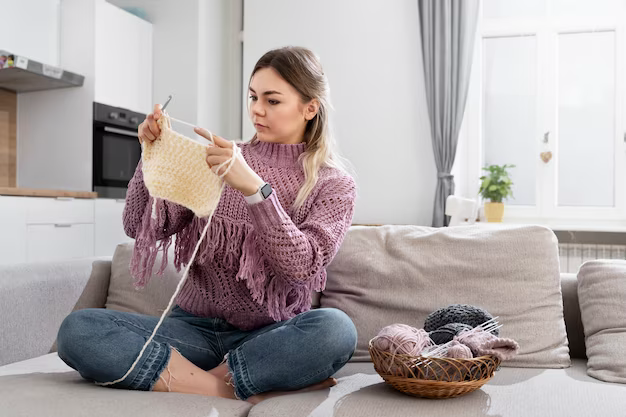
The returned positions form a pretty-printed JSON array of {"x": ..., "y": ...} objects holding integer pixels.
[{"x": 242, "y": 325}]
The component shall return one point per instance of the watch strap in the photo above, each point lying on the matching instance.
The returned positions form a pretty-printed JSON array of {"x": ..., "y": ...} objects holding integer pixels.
[{"x": 256, "y": 197}]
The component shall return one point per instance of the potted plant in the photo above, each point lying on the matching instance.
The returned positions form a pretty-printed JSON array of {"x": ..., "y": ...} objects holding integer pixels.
[{"x": 495, "y": 187}]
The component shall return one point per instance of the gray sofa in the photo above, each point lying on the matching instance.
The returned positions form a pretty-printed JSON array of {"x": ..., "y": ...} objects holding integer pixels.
[{"x": 380, "y": 276}]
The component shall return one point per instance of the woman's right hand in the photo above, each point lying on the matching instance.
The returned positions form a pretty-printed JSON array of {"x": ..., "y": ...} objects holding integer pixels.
[{"x": 149, "y": 129}]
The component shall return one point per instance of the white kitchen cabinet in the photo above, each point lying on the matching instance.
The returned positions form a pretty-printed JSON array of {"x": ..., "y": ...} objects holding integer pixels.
[
  {"x": 31, "y": 28},
  {"x": 41, "y": 229},
  {"x": 38, "y": 229},
  {"x": 59, "y": 241},
  {"x": 59, "y": 228},
  {"x": 109, "y": 226},
  {"x": 65, "y": 210},
  {"x": 12, "y": 230},
  {"x": 123, "y": 59}
]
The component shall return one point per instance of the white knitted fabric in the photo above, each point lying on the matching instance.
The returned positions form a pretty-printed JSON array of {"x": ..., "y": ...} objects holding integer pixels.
[{"x": 175, "y": 169}]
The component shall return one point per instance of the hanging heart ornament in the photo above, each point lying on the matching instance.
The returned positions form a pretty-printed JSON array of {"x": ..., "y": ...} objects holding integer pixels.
[{"x": 546, "y": 156}]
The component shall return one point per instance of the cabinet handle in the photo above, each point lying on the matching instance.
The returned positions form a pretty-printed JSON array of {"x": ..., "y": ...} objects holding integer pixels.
[
  {"x": 62, "y": 225},
  {"x": 65, "y": 198}
]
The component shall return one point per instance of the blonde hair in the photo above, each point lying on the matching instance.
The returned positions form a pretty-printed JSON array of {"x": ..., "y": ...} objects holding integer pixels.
[{"x": 301, "y": 68}]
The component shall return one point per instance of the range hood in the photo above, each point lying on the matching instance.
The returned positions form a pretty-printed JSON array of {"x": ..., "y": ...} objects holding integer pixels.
[{"x": 20, "y": 74}]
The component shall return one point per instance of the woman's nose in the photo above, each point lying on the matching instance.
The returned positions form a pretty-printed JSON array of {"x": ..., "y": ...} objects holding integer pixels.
[{"x": 257, "y": 108}]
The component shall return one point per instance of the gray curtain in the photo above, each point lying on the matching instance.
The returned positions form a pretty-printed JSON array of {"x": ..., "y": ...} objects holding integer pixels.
[{"x": 448, "y": 29}]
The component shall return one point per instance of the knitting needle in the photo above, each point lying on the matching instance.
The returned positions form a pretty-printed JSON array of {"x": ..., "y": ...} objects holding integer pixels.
[
  {"x": 169, "y": 98},
  {"x": 167, "y": 102},
  {"x": 488, "y": 326}
]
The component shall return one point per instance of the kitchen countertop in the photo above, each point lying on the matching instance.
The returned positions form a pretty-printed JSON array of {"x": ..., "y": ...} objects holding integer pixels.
[{"x": 31, "y": 192}]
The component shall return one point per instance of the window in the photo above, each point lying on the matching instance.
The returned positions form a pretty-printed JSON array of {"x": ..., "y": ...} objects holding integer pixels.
[{"x": 549, "y": 79}]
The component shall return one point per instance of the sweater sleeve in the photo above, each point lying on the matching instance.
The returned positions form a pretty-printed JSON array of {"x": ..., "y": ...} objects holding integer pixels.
[
  {"x": 299, "y": 254},
  {"x": 175, "y": 217}
]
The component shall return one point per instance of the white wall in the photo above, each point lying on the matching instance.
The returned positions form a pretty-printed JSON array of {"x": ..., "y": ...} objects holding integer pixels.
[
  {"x": 54, "y": 127},
  {"x": 219, "y": 70},
  {"x": 371, "y": 53},
  {"x": 31, "y": 28}
]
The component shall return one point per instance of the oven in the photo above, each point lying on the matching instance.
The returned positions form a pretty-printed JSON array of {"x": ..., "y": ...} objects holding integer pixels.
[{"x": 116, "y": 149}]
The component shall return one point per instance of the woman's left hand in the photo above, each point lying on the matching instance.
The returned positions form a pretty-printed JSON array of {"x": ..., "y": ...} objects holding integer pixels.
[{"x": 240, "y": 177}]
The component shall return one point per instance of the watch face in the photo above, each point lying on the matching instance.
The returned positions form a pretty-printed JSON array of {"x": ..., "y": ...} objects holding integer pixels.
[{"x": 266, "y": 190}]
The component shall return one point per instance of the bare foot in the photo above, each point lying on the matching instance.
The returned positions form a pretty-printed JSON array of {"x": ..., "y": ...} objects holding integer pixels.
[
  {"x": 255, "y": 399},
  {"x": 181, "y": 375}
]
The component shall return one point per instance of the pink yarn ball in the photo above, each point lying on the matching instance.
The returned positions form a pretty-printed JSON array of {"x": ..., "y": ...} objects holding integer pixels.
[
  {"x": 400, "y": 339},
  {"x": 459, "y": 351}
]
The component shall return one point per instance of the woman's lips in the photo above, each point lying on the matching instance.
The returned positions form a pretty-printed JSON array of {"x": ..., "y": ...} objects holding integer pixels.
[{"x": 257, "y": 125}]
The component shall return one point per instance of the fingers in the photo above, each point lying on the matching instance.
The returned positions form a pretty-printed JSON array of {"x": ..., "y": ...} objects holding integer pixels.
[
  {"x": 219, "y": 141},
  {"x": 157, "y": 111},
  {"x": 204, "y": 133},
  {"x": 152, "y": 125},
  {"x": 145, "y": 133},
  {"x": 149, "y": 129},
  {"x": 216, "y": 160}
]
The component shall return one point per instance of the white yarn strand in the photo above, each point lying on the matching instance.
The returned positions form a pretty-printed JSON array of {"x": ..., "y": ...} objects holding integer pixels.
[{"x": 229, "y": 163}]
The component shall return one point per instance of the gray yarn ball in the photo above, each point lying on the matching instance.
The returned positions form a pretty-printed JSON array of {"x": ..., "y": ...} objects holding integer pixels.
[
  {"x": 446, "y": 333},
  {"x": 457, "y": 313}
]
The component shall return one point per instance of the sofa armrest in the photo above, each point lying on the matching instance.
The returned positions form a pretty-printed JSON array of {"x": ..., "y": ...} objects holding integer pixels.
[
  {"x": 36, "y": 297},
  {"x": 571, "y": 313}
]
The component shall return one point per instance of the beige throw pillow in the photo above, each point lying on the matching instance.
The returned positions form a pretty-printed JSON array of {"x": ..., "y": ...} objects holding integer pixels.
[
  {"x": 154, "y": 297},
  {"x": 602, "y": 297},
  {"x": 400, "y": 274}
]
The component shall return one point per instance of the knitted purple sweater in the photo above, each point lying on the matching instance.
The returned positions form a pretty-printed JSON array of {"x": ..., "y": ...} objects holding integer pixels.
[{"x": 258, "y": 263}]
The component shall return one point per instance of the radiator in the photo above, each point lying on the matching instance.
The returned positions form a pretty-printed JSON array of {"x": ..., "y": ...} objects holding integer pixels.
[{"x": 573, "y": 255}]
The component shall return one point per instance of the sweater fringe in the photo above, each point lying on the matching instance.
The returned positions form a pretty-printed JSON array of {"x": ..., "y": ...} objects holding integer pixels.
[
  {"x": 146, "y": 248},
  {"x": 222, "y": 235},
  {"x": 237, "y": 241},
  {"x": 282, "y": 298}
]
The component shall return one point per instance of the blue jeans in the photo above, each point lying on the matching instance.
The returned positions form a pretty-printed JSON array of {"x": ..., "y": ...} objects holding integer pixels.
[{"x": 288, "y": 355}]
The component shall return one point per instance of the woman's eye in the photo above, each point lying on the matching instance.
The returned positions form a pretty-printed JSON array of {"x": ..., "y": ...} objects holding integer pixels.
[{"x": 272, "y": 102}]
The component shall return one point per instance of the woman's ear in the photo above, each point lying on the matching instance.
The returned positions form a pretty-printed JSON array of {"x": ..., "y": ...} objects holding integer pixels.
[{"x": 311, "y": 109}]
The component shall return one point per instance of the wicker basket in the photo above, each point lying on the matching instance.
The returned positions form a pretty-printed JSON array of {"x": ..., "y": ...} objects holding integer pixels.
[{"x": 433, "y": 377}]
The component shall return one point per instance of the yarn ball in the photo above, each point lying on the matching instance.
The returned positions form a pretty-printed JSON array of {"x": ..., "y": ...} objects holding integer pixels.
[
  {"x": 446, "y": 333},
  {"x": 459, "y": 351},
  {"x": 400, "y": 339},
  {"x": 458, "y": 313}
]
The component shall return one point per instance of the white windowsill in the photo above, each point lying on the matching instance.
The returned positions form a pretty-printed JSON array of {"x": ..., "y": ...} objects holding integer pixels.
[{"x": 572, "y": 226}]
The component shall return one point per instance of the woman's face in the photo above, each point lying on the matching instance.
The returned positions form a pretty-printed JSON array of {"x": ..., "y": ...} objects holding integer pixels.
[{"x": 276, "y": 110}]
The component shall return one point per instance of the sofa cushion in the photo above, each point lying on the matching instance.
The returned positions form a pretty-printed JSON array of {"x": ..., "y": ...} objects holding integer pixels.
[
  {"x": 602, "y": 295},
  {"x": 153, "y": 298},
  {"x": 571, "y": 312},
  {"x": 512, "y": 392},
  {"x": 34, "y": 300},
  {"x": 400, "y": 274}
]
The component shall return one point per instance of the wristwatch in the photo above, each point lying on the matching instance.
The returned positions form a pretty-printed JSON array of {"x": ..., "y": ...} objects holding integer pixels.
[{"x": 261, "y": 194}]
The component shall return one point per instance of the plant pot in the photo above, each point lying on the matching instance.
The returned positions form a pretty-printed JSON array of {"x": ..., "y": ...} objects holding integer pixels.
[{"x": 494, "y": 212}]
